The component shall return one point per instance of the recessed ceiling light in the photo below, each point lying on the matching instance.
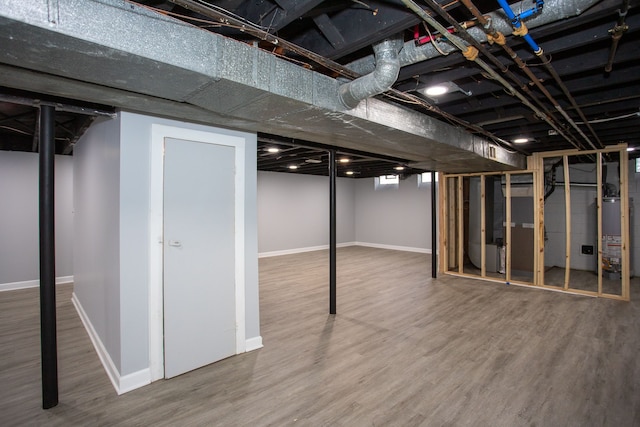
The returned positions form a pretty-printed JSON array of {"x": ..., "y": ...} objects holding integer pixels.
[
  {"x": 520, "y": 140},
  {"x": 436, "y": 90},
  {"x": 344, "y": 160},
  {"x": 399, "y": 168},
  {"x": 273, "y": 150},
  {"x": 293, "y": 166},
  {"x": 349, "y": 172},
  {"x": 313, "y": 161},
  {"x": 631, "y": 148}
]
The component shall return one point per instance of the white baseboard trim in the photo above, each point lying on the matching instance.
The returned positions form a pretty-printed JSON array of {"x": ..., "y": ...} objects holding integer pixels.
[
  {"x": 134, "y": 380},
  {"x": 301, "y": 250},
  {"x": 394, "y": 248},
  {"x": 32, "y": 283},
  {"x": 122, "y": 384},
  {"x": 254, "y": 343}
]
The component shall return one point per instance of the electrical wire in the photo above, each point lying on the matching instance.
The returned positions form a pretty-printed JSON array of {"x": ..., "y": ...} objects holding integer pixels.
[
  {"x": 16, "y": 130},
  {"x": 227, "y": 12},
  {"x": 433, "y": 41},
  {"x": 259, "y": 32},
  {"x": 396, "y": 98},
  {"x": 215, "y": 24},
  {"x": 59, "y": 138},
  {"x": 611, "y": 119}
]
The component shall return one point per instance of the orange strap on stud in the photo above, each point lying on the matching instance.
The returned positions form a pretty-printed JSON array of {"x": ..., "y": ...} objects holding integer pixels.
[
  {"x": 471, "y": 53},
  {"x": 498, "y": 38},
  {"x": 522, "y": 31}
]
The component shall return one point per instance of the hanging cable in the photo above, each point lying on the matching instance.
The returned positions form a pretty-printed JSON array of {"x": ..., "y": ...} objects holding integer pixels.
[{"x": 433, "y": 41}]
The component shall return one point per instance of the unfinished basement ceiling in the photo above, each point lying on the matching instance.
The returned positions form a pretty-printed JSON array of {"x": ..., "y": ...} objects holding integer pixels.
[
  {"x": 276, "y": 154},
  {"x": 454, "y": 132},
  {"x": 579, "y": 48}
]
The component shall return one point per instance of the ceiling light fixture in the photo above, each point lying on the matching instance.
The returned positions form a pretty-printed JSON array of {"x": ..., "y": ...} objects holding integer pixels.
[
  {"x": 273, "y": 150},
  {"x": 520, "y": 140},
  {"x": 293, "y": 167},
  {"x": 436, "y": 90},
  {"x": 349, "y": 172},
  {"x": 399, "y": 168},
  {"x": 631, "y": 148},
  {"x": 344, "y": 160}
]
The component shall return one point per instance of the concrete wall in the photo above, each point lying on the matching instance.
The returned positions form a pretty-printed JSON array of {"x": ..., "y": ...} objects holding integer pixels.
[
  {"x": 19, "y": 235},
  {"x": 583, "y": 218}
]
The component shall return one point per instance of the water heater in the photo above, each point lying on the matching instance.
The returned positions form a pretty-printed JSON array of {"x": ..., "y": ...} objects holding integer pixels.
[{"x": 612, "y": 236}]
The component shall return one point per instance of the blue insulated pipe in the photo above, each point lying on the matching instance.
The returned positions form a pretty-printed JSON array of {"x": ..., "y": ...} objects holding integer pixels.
[{"x": 516, "y": 21}]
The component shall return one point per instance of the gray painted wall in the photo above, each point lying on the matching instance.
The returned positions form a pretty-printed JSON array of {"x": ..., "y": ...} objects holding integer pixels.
[
  {"x": 112, "y": 188},
  {"x": 293, "y": 211},
  {"x": 134, "y": 240},
  {"x": 134, "y": 234},
  {"x": 96, "y": 186},
  {"x": 394, "y": 216},
  {"x": 19, "y": 241}
]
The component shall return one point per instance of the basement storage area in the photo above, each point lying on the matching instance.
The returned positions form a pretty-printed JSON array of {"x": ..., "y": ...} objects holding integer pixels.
[
  {"x": 486, "y": 204},
  {"x": 563, "y": 224}
]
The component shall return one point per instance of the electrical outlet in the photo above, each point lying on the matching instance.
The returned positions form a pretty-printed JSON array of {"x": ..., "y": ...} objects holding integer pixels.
[{"x": 587, "y": 249}]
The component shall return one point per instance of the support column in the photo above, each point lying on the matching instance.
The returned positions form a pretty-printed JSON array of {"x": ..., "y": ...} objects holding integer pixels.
[
  {"x": 332, "y": 232},
  {"x": 434, "y": 228},
  {"x": 48, "y": 336}
]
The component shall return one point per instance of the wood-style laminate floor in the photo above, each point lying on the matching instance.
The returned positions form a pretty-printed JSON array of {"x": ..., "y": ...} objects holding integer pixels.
[{"x": 404, "y": 350}]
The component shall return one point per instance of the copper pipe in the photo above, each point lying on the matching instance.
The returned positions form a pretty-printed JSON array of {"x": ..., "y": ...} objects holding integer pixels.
[
  {"x": 545, "y": 114},
  {"x": 616, "y": 34},
  {"x": 469, "y": 54},
  {"x": 486, "y": 25}
]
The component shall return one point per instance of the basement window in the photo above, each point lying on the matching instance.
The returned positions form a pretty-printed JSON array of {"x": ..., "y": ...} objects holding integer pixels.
[
  {"x": 424, "y": 179},
  {"x": 387, "y": 181}
]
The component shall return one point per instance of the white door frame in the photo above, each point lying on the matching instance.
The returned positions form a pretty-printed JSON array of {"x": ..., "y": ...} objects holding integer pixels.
[{"x": 156, "y": 236}]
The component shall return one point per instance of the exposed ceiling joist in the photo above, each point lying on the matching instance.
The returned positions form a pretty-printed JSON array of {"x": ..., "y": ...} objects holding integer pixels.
[{"x": 339, "y": 32}]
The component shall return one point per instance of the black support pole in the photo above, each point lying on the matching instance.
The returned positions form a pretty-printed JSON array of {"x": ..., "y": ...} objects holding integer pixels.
[
  {"x": 332, "y": 231},
  {"x": 48, "y": 336},
  {"x": 434, "y": 228}
]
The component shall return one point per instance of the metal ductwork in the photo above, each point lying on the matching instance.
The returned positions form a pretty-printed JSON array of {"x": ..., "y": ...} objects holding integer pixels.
[
  {"x": 141, "y": 61},
  {"x": 381, "y": 79},
  {"x": 554, "y": 10}
]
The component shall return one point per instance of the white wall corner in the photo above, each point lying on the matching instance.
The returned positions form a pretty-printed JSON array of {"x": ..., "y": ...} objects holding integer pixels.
[
  {"x": 32, "y": 283},
  {"x": 121, "y": 384},
  {"x": 253, "y": 343}
]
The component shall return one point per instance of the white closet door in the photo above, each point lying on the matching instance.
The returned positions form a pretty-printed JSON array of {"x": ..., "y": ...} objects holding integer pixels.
[{"x": 199, "y": 255}]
